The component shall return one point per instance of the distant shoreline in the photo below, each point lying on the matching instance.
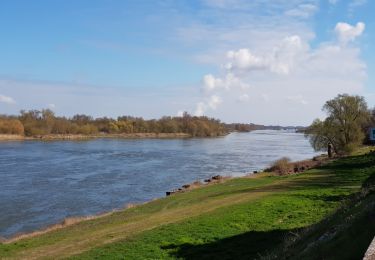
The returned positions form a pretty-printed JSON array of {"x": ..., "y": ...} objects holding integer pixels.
[{"x": 51, "y": 137}]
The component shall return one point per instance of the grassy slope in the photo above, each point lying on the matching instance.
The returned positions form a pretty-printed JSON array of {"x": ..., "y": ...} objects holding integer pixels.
[
  {"x": 241, "y": 218},
  {"x": 343, "y": 235}
]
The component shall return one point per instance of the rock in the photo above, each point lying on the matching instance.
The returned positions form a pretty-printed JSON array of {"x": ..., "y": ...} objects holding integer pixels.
[
  {"x": 207, "y": 180},
  {"x": 255, "y": 171},
  {"x": 217, "y": 177},
  {"x": 186, "y": 186}
]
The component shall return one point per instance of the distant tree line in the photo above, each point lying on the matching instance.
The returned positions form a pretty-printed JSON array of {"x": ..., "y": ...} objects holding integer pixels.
[
  {"x": 238, "y": 127},
  {"x": 45, "y": 122}
]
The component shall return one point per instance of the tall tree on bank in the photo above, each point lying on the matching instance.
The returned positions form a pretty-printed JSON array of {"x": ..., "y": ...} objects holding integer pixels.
[{"x": 343, "y": 127}]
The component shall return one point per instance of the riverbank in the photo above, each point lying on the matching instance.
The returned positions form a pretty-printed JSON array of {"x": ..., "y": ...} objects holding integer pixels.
[
  {"x": 51, "y": 137},
  {"x": 5, "y": 137},
  {"x": 239, "y": 217}
]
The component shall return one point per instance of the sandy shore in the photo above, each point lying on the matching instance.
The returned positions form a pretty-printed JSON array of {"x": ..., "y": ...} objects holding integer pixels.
[{"x": 5, "y": 137}]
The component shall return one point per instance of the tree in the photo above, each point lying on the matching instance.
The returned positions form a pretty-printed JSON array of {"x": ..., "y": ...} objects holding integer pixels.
[
  {"x": 11, "y": 126},
  {"x": 48, "y": 120},
  {"x": 343, "y": 127}
]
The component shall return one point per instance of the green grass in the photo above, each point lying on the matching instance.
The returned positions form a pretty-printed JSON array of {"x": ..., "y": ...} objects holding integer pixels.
[
  {"x": 346, "y": 234},
  {"x": 243, "y": 218}
]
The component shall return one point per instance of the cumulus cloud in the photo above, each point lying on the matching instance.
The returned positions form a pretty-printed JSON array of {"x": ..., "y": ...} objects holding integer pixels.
[
  {"x": 201, "y": 108},
  {"x": 348, "y": 33},
  {"x": 243, "y": 59},
  {"x": 292, "y": 55},
  {"x": 214, "y": 102},
  {"x": 7, "y": 100},
  {"x": 211, "y": 83},
  {"x": 229, "y": 81},
  {"x": 211, "y": 103},
  {"x": 279, "y": 60},
  {"x": 52, "y": 106},
  {"x": 293, "y": 73}
]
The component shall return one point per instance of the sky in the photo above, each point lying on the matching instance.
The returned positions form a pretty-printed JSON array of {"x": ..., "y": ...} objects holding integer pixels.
[{"x": 265, "y": 62}]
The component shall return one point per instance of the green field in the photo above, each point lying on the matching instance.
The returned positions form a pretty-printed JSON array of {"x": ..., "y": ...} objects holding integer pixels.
[{"x": 242, "y": 218}]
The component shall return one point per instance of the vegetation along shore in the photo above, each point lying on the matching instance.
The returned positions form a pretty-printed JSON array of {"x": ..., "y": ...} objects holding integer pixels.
[
  {"x": 51, "y": 137},
  {"x": 45, "y": 125}
]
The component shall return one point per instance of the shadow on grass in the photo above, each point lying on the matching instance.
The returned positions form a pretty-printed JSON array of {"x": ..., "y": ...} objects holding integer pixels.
[
  {"x": 255, "y": 244},
  {"x": 344, "y": 173},
  {"x": 351, "y": 163},
  {"x": 250, "y": 245}
]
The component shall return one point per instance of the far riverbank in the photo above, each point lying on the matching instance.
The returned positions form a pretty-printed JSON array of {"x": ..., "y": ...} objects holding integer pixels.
[{"x": 6, "y": 137}]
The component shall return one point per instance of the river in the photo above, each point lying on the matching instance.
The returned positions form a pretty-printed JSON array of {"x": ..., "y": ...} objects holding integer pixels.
[{"x": 41, "y": 183}]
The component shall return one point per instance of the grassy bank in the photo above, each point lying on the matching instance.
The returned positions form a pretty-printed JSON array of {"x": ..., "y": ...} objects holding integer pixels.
[{"x": 242, "y": 218}]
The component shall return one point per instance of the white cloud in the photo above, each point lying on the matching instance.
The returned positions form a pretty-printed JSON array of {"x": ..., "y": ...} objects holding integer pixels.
[
  {"x": 201, "y": 108},
  {"x": 7, "y": 100},
  {"x": 302, "y": 11},
  {"x": 243, "y": 59},
  {"x": 257, "y": 25},
  {"x": 347, "y": 33},
  {"x": 214, "y": 102},
  {"x": 52, "y": 106},
  {"x": 211, "y": 83},
  {"x": 211, "y": 103},
  {"x": 293, "y": 73},
  {"x": 279, "y": 60}
]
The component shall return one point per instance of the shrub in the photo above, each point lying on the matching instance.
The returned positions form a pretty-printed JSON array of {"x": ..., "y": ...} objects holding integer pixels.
[
  {"x": 11, "y": 126},
  {"x": 281, "y": 166}
]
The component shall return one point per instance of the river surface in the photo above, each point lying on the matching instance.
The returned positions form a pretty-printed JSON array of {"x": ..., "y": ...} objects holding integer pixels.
[{"x": 41, "y": 183}]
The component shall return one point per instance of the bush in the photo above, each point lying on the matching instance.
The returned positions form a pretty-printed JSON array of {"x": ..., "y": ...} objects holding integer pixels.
[
  {"x": 281, "y": 166},
  {"x": 350, "y": 148},
  {"x": 11, "y": 126}
]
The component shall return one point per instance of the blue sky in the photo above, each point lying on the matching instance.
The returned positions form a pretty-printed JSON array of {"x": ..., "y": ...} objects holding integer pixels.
[{"x": 271, "y": 62}]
